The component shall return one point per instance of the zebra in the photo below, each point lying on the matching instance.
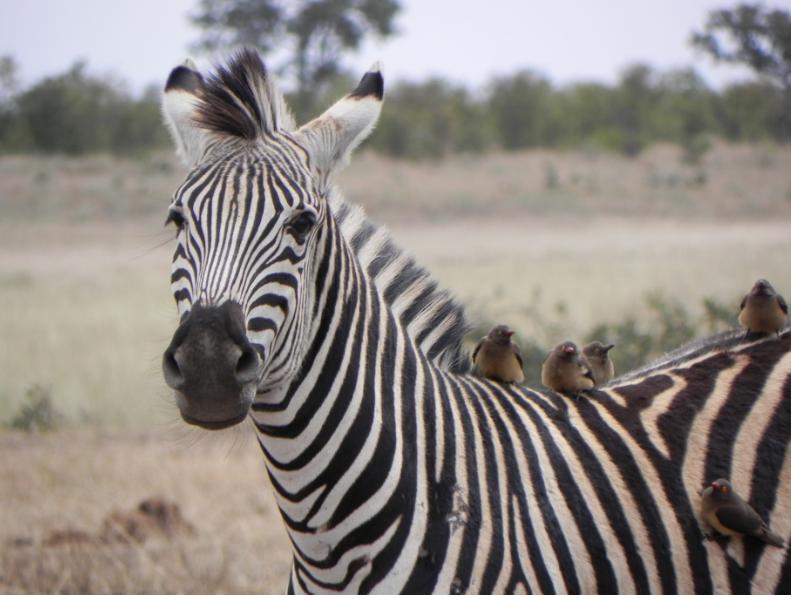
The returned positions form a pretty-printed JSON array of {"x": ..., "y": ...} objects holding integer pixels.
[{"x": 394, "y": 468}]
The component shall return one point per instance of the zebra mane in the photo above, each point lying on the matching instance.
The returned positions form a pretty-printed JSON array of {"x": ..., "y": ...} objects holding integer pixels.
[
  {"x": 430, "y": 315},
  {"x": 241, "y": 100}
]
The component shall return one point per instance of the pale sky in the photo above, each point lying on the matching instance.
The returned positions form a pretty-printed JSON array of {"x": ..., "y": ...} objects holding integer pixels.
[{"x": 467, "y": 42}]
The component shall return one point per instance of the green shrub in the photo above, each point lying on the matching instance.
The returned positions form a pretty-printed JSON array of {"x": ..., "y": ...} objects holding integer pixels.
[{"x": 37, "y": 412}]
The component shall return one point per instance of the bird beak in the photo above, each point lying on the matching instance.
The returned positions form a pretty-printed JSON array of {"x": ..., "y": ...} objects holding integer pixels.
[
  {"x": 508, "y": 334},
  {"x": 608, "y": 347}
]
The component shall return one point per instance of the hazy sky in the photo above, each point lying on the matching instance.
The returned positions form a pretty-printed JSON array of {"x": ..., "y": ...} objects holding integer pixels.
[{"x": 462, "y": 40}]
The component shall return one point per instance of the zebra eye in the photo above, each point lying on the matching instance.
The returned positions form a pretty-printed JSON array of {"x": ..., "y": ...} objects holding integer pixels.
[
  {"x": 175, "y": 217},
  {"x": 301, "y": 224}
]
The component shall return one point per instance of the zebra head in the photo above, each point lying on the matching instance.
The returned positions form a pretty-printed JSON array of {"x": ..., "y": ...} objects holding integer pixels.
[{"x": 252, "y": 219}]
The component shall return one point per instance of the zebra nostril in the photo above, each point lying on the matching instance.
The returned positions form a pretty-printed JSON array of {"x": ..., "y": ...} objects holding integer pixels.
[
  {"x": 247, "y": 366},
  {"x": 171, "y": 370}
]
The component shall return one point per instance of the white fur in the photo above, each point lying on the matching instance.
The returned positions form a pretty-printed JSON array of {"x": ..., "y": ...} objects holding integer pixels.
[
  {"x": 333, "y": 136},
  {"x": 178, "y": 109}
]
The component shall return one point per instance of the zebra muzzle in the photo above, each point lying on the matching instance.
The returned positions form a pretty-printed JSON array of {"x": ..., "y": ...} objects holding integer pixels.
[{"x": 212, "y": 366}]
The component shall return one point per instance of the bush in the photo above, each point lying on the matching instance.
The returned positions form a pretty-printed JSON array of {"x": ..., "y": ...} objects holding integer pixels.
[
  {"x": 75, "y": 113},
  {"x": 37, "y": 412}
]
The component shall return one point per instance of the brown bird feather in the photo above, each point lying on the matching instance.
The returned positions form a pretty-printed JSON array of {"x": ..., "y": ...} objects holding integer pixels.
[
  {"x": 498, "y": 358},
  {"x": 763, "y": 310},
  {"x": 564, "y": 371},
  {"x": 726, "y": 512}
]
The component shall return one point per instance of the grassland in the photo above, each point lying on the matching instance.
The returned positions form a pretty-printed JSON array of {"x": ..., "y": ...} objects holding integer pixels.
[
  {"x": 570, "y": 238},
  {"x": 73, "y": 480}
]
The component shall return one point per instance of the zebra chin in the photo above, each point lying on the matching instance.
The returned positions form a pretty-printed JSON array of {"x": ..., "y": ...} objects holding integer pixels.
[
  {"x": 218, "y": 411},
  {"x": 212, "y": 367}
]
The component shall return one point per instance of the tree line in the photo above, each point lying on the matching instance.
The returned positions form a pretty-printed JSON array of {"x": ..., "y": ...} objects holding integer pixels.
[
  {"x": 525, "y": 110},
  {"x": 76, "y": 113}
]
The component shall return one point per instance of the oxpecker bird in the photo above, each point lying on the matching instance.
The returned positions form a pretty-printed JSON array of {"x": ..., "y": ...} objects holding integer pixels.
[
  {"x": 763, "y": 310},
  {"x": 564, "y": 371},
  {"x": 597, "y": 356},
  {"x": 728, "y": 514},
  {"x": 496, "y": 357}
]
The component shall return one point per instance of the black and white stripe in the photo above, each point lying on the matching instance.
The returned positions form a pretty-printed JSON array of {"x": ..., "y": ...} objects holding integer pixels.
[{"x": 395, "y": 470}]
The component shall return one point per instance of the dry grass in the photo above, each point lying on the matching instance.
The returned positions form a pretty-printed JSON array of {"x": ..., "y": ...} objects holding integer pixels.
[
  {"x": 86, "y": 321},
  {"x": 731, "y": 181},
  {"x": 89, "y": 324},
  {"x": 86, "y": 313},
  {"x": 75, "y": 479},
  {"x": 742, "y": 181},
  {"x": 579, "y": 273}
]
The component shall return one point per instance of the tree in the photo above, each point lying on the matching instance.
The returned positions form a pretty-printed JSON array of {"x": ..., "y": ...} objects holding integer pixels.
[
  {"x": 9, "y": 81},
  {"x": 69, "y": 113},
  {"x": 757, "y": 37},
  {"x": 635, "y": 99},
  {"x": 430, "y": 120},
  {"x": 747, "y": 111},
  {"x": 77, "y": 113},
  {"x": 11, "y": 133},
  {"x": 588, "y": 113},
  {"x": 686, "y": 113},
  {"x": 521, "y": 106},
  {"x": 321, "y": 30}
]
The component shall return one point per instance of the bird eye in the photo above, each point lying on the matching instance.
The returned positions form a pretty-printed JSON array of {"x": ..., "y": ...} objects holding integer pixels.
[
  {"x": 724, "y": 489},
  {"x": 301, "y": 224},
  {"x": 176, "y": 217}
]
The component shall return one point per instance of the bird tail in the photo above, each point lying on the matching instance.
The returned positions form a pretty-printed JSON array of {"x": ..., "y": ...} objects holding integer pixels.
[{"x": 771, "y": 538}]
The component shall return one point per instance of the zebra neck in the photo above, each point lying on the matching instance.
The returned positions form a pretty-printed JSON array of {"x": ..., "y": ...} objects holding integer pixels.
[{"x": 340, "y": 443}]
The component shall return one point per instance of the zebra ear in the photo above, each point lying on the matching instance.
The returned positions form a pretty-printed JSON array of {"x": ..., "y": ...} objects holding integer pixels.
[
  {"x": 179, "y": 104},
  {"x": 332, "y": 136}
]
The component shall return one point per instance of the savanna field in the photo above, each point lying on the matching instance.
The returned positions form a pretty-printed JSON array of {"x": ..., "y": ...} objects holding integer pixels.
[{"x": 648, "y": 251}]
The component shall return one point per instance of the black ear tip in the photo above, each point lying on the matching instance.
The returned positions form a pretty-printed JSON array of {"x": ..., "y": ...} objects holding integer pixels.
[
  {"x": 372, "y": 84},
  {"x": 184, "y": 79}
]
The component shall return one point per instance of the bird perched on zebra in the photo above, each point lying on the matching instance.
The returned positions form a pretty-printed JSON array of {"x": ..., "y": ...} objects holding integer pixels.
[
  {"x": 726, "y": 512},
  {"x": 498, "y": 358},
  {"x": 564, "y": 371},
  {"x": 763, "y": 310},
  {"x": 597, "y": 356}
]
